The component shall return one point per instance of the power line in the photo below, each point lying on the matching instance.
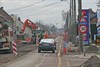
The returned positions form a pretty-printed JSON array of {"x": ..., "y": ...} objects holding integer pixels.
[
  {"x": 39, "y": 8},
  {"x": 38, "y": 12},
  {"x": 17, "y": 9},
  {"x": 51, "y": 4}
]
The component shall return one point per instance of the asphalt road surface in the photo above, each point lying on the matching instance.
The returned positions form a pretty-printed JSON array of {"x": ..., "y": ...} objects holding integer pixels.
[
  {"x": 35, "y": 59},
  {"x": 48, "y": 59}
]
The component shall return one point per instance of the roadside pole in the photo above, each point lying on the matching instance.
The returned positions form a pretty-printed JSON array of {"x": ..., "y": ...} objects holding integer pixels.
[
  {"x": 79, "y": 17},
  {"x": 14, "y": 45},
  {"x": 84, "y": 50}
]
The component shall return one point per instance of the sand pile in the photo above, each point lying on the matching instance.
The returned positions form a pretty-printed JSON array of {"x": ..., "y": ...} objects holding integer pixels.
[{"x": 94, "y": 61}]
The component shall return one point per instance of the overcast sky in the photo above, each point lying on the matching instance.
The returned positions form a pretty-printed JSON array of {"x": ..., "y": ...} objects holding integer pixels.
[{"x": 48, "y": 11}]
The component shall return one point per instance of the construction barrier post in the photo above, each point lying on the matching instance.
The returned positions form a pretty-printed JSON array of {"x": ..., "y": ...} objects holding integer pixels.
[
  {"x": 14, "y": 46},
  {"x": 37, "y": 40}
]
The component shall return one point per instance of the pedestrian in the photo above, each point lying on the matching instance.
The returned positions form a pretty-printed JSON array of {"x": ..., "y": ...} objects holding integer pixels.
[
  {"x": 46, "y": 35},
  {"x": 65, "y": 42}
]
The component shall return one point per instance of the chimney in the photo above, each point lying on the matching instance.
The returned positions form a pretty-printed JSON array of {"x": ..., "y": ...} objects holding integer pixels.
[{"x": 1, "y": 7}]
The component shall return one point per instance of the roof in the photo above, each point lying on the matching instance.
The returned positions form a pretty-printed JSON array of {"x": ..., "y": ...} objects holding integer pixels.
[
  {"x": 4, "y": 15},
  {"x": 93, "y": 17}
]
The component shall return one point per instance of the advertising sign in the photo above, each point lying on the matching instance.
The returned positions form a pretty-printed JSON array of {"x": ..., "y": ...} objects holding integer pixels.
[{"x": 84, "y": 26}]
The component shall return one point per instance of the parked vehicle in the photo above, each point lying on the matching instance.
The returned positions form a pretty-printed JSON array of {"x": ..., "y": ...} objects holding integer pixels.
[
  {"x": 47, "y": 45},
  {"x": 6, "y": 38}
]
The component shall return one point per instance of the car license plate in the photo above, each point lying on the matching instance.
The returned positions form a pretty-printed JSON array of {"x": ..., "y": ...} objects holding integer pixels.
[{"x": 46, "y": 44}]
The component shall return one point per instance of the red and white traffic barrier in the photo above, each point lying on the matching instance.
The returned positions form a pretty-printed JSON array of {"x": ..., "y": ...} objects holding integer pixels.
[
  {"x": 14, "y": 48},
  {"x": 37, "y": 41}
]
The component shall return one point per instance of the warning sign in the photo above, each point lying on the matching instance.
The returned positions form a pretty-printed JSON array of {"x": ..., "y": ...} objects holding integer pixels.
[{"x": 83, "y": 19}]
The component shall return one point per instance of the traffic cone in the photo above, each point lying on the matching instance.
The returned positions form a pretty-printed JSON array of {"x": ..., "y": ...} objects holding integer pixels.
[{"x": 65, "y": 50}]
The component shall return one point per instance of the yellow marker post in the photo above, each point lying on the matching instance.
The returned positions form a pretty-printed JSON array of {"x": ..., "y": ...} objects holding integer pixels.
[{"x": 59, "y": 57}]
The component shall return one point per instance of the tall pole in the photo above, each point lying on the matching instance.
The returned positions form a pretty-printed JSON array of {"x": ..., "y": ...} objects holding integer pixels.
[
  {"x": 71, "y": 19},
  {"x": 79, "y": 17},
  {"x": 70, "y": 13},
  {"x": 74, "y": 24},
  {"x": 75, "y": 11}
]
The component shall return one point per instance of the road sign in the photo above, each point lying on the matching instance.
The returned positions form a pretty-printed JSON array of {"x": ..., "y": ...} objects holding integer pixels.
[
  {"x": 83, "y": 28},
  {"x": 83, "y": 19}
]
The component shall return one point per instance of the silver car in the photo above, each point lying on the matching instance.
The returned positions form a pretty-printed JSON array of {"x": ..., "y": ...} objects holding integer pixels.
[{"x": 47, "y": 45}]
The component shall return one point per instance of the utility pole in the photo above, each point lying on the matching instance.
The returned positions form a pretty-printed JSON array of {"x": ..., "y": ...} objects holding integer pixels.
[
  {"x": 74, "y": 22},
  {"x": 79, "y": 17},
  {"x": 70, "y": 13},
  {"x": 71, "y": 20}
]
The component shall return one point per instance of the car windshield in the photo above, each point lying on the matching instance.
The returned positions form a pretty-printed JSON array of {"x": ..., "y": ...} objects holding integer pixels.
[{"x": 47, "y": 41}]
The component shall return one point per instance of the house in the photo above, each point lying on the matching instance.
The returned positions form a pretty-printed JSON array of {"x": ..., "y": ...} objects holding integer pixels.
[
  {"x": 4, "y": 16},
  {"x": 6, "y": 21},
  {"x": 93, "y": 22}
]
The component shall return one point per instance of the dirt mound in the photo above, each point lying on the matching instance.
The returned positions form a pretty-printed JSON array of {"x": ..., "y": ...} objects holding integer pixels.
[
  {"x": 92, "y": 49},
  {"x": 94, "y": 61}
]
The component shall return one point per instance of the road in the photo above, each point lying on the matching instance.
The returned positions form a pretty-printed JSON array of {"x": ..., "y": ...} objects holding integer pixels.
[
  {"x": 33, "y": 59},
  {"x": 48, "y": 59}
]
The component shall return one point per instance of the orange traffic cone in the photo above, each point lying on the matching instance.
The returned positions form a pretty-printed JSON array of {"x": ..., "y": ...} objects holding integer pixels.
[{"x": 64, "y": 50}]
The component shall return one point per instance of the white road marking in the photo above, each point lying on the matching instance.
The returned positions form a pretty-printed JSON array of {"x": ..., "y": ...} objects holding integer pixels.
[
  {"x": 43, "y": 59},
  {"x": 68, "y": 65},
  {"x": 59, "y": 56}
]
